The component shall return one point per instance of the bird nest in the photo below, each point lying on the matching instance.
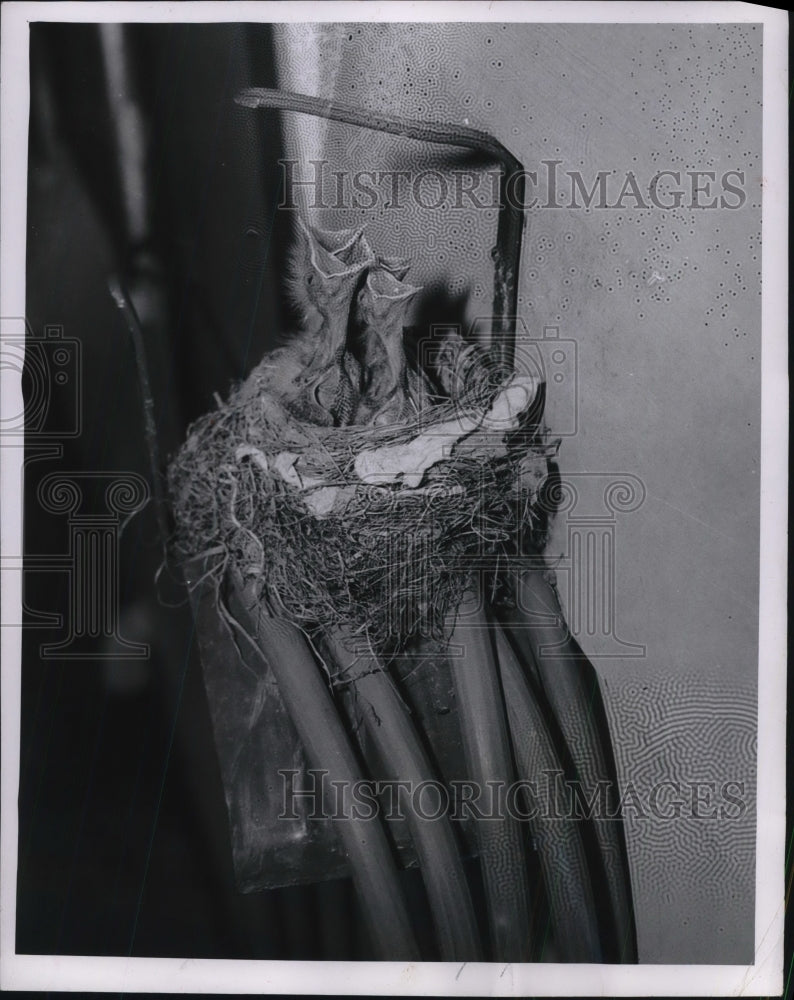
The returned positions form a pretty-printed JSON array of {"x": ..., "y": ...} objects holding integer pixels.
[{"x": 372, "y": 526}]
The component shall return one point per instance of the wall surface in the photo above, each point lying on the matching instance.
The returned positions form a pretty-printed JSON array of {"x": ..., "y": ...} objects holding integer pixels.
[{"x": 658, "y": 315}]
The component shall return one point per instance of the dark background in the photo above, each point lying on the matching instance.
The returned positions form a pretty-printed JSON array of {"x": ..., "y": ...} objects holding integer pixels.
[{"x": 123, "y": 844}]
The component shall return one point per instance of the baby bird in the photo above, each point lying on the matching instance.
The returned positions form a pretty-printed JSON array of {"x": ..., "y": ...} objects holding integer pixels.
[
  {"x": 322, "y": 272},
  {"x": 325, "y": 272},
  {"x": 379, "y": 313}
]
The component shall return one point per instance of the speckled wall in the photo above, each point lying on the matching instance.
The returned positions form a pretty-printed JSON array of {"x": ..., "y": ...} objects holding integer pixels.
[{"x": 653, "y": 294}]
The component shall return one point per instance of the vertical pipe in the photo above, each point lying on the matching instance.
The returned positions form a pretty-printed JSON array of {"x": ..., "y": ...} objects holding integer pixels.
[
  {"x": 487, "y": 752},
  {"x": 390, "y": 728},
  {"x": 571, "y": 688},
  {"x": 563, "y": 861},
  {"x": 307, "y": 698}
]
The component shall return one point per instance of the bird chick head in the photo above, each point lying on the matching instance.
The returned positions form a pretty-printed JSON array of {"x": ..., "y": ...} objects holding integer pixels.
[
  {"x": 325, "y": 268},
  {"x": 382, "y": 300}
]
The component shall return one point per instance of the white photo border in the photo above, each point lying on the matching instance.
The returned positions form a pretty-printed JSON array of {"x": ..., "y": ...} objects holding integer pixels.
[{"x": 174, "y": 975}]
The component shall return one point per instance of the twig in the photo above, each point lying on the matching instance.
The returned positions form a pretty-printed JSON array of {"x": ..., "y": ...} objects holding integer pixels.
[{"x": 125, "y": 306}]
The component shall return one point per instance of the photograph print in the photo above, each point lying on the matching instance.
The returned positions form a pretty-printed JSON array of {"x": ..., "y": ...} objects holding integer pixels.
[{"x": 392, "y": 460}]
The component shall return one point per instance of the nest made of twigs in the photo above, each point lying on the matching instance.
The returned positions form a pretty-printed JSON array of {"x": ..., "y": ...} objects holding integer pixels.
[{"x": 384, "y": 560}]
